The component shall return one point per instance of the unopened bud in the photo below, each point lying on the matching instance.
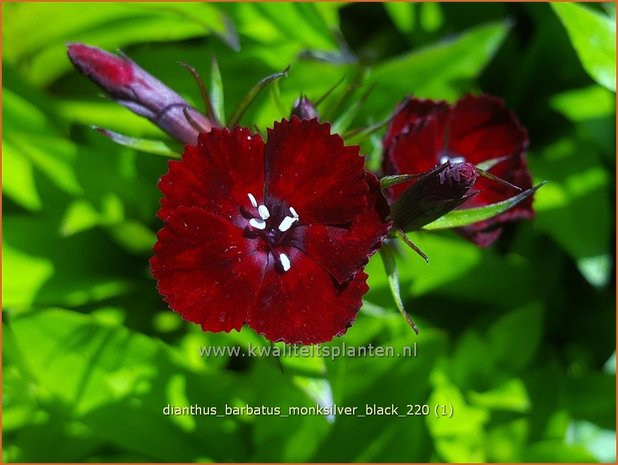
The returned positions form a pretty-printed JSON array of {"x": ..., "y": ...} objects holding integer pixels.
[
  {"x": 304, "y": 109},
  {"x": 133, "y": 87},
  {"x": 434, "y": 194}
]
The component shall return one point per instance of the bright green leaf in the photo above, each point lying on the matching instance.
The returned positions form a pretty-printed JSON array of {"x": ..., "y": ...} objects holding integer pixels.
[
  {"x": 252, "y": 94},
  {"x": 510, "y": 396},
  {"x": 155, "y": 147},
  {"x": 402, "y": 14},
  {"x": 46, "y": 268},
  {"x": 436, "y": 71},
  {"x": 216, "y": 91},
  {"x": 506, "y": 440},
  {"x": 431, "y": 16},
  {"x": 98, "y": 372},
  {"x": 464, "y": 217},
  {"x": 593, "y": 36},
  {"x": 576, "y": 197},
  {"x": 460, "y": 437},
  {"x": 390, "y": 267},
  {"x": 38, "y": 33},
  {"x": 585, "y": 104},
  {"x": 133, "y": 236}
]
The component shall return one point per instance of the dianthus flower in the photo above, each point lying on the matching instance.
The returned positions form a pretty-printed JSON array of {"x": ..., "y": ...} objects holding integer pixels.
[
  {"x": 271, "y": 234},
  {"x": 426, "y": 133}
]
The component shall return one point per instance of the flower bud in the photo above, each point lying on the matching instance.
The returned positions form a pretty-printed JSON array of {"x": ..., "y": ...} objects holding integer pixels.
[
  {"x": 304, "y": 109},
  {"x": 434, "y": 194},
  {"x": 131, "y": 86}
]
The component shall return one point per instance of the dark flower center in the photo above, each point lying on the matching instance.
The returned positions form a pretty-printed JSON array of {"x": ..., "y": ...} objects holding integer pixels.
[{"x": 271, "y": 224}]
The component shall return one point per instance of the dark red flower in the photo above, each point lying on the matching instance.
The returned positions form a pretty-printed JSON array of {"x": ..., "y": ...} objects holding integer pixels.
[
  {"x": 426, "y": 133},
  {"x": 139, "y": 91},
  {"x": 274, "y": 235}
]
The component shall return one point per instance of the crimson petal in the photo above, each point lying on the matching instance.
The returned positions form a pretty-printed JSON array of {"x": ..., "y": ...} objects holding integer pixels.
[
  {"x": 312, "y": 171},
  {"x": 205, "y": 269},
  {"x": 304, "y": 304},
  {"x": 410, "y": 112},
  {"x": 482, "y": 128},
  {"x": 477, "y": 129},
  {"x": 343, "y": 250},
  {"x": 216, "y": 175},
  {"x": 416, "y": 150}
]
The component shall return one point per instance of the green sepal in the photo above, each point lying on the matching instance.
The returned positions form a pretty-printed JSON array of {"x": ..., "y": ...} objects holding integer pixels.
[{"x": 464, "y": 217}]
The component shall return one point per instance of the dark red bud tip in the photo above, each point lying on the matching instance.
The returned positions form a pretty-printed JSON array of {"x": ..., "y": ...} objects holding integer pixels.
[
  {"x": 434, "y": 194},
  {"x": 456, "y": 180},
  {"x": 115, "y": 74},
  {"x": 304, "y": 109}
]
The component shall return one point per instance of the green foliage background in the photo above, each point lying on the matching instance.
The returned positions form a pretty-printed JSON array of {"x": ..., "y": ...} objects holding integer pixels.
[{"x": 519, "y": 338}]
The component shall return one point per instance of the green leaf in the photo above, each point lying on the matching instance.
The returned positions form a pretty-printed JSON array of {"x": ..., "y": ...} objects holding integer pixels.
[
  {"x": 94, "y": 372},
  {"x": 49, "y": 269},
  {"x": 585, "y": 104},
  {"x": 216, "y": 91},
  {"x": 461, "y": 437},
  {"x": 360, "y": 135},
  {"x": 133, "y": 236},
  {"x": 343, "y": 122},
  {"x": 431, "y": 16},
  {"x": 402, "y": 15},
  {"x": 451, "y": 259},
  {"x": 464, "y": 217},
  {"x": 38, "y": 43},
  {"x": 578, "y": 188},
  {"x": 482, "y": 374},
  {"x": 21, "y": 185},
  {"x": 599, "y": 389},
  {"x": 155, "y": 147},
  {"x": 32, "y": 145},
  {"x": 252, "y": 94},
  {"x": 80, "y": 215},
  {"x": 506, "y": 440},
  {"x": 593, "y": 36},
  {"x": 285, "y": 391},
  {"x": 556, "y": 451},
  {"x": 521, "y": 328},
  {"x": 389, "y": 181},
  {"x": 510, "y": 396},
  {"x": 436, "y": 71},
  {"x": 301, "y": 24},
  {"x": 390, "y": 267}
]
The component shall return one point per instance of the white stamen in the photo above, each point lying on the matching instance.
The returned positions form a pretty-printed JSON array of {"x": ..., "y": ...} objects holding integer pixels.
[
  {"x": 285, "y": 261},
  {"x": 453, "y": 160},
  {"x": 294, "y": 214},
  {"x": 263, "y": 211},
  {"x": 257, "y": 224},
  {"x": 252, "y": 199},
  {"x": 287, "y": 222}
]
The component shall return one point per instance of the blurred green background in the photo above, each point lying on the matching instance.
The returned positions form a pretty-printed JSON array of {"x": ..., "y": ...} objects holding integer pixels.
[{"x": 519, "y": 338}]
